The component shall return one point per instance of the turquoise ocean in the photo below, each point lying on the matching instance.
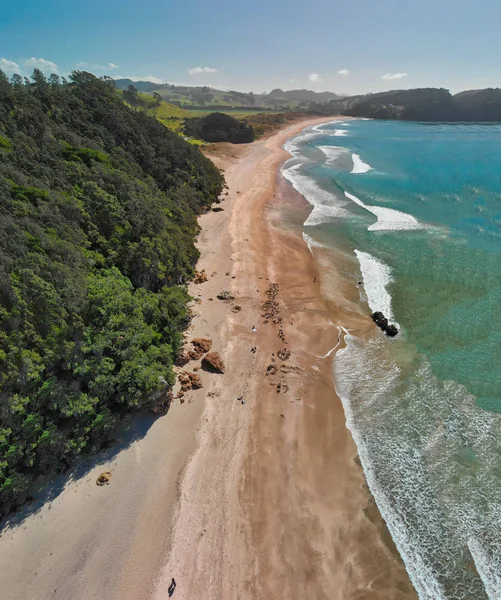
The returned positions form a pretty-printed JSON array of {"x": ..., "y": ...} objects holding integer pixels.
[{"x": 416, "y": 209}]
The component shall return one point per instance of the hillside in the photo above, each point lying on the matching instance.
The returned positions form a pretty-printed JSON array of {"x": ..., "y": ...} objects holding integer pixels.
[
  {"x": 423, "y": 104},
  {"x": 98, "y": 208},
  {"x": 205, "y": 97}
]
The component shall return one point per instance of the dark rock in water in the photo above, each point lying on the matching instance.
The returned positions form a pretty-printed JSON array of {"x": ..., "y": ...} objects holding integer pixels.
[
  {"x": 382, "y": 322},
  {"x": 391, "y": 331}
]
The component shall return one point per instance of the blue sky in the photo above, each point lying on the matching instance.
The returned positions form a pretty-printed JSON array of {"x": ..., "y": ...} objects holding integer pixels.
[{"x": 258, "y": 45}]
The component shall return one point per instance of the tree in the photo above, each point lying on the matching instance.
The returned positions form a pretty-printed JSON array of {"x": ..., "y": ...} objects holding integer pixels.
[
  {"x": 16, "y": 80},
  {"x": 131, "y": 96},
  {"x": 158, "y": 99}
]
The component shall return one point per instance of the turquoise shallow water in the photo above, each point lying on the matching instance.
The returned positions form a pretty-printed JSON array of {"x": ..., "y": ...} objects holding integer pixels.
[{"x": 417, "y": 208}]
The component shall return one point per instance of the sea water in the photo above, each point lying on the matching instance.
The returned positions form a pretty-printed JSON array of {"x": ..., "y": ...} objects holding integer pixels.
[{"x": 417, "y": 208}]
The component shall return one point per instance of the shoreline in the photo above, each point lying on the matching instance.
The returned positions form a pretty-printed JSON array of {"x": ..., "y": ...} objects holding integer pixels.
[
  {"x": 261, "y": 500},
  {"x": 278, "y": 505}
]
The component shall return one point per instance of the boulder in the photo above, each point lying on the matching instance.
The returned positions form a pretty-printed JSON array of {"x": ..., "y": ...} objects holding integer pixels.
[
  {"x": 226, "y": 296},
  {"x": 284, "y": 354},
  {"x": 213, "y": 362},
  {"x": 202, "y": 344},
  {"x": 382, "y": 322},
  {"x": 391, "y": 331},
  {"x": 217, "y": 209},
  {"x": 182, "y": 358},
  {"x": 104, "y": 478}
]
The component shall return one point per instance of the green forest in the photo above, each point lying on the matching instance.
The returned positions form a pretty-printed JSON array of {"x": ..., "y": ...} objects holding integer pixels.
[
  {"x": 98, "y": 207},
  {"x": 218, "y": 127}
]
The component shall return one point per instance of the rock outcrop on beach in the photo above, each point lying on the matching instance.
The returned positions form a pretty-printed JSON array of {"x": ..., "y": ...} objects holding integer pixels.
[
  {"x": 189, "y": 381},
  {"x": 200, "y": 347},
  {"x": 200, "y": 276},
  {"x": 213, "y": 362},
  {"x": 104, "y": 478},
  {"x": 382, "y": 322}
]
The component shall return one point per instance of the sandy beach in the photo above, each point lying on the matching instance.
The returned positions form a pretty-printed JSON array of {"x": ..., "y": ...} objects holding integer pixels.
[{"x": 263, "y": 499}]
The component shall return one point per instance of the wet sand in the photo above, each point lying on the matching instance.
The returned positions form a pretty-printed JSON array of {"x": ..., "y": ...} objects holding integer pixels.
[{"x": 262, "y": 500}]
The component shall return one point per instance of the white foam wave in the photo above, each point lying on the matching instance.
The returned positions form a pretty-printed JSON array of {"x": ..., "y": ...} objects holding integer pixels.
[
  {"x": 332, "y": 152},
  {"x": 410, "y": 428},
  {"x": 340, "y": 132},
  {"x": 388, "y": 219},
  {"x": 326, "y": 206},
  {"x": 359, "y": 166},
  {"x": 311, "y": 243},
  {"x": 376, "y": 276}
]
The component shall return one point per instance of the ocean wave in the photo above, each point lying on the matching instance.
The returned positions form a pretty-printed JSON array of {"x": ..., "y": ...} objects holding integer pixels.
[
  {"x": 359, "y": 166},
  {"x": 311, "y": 243},
  {"x": 332, "y": 152},
  {"x": 340, "y": 132},
  {"x": 411, "y": 430},
  {"x": 376, "y": 276},
  {"x": 388, "y": 219},
  {"x": 326, "y": 206}
]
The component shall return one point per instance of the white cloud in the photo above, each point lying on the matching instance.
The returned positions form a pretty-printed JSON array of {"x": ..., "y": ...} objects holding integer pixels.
[
  {"x": 8, "y": 65},
  {"x": 315, "y": 77},
  {"x": 149, "y": 78},
  {"x": 344, "y": 72},
  {"x": 199, "y": 70},
  {"x": 96, "y": 67},
  {"x": 42, "y": 64},
  {"x": 394, "y": 76}
]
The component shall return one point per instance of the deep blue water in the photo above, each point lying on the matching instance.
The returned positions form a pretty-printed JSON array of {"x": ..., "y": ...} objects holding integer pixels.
[{"x": 417, "y": 208}]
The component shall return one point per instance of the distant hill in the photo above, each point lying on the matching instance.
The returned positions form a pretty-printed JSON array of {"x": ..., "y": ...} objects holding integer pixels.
[
  {"x": 422, "y": 104},
  {"x": 301, "y": 95},
  {"x": 206, "y": 97},
  {"x": 141, "y": 86}
]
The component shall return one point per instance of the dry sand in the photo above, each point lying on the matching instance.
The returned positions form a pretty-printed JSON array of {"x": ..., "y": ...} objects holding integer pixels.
[{"x": 262, "y": 500}]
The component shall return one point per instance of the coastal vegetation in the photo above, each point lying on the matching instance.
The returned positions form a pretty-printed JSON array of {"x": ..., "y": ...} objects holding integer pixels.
[
  {"x": 98, "y": 207},
  {"x": 218, "y": 127},
  {"x": 423, "y": 104}
]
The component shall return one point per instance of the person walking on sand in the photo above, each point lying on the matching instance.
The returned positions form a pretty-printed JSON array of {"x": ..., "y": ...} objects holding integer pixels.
[{"x": 172, "y": 587}]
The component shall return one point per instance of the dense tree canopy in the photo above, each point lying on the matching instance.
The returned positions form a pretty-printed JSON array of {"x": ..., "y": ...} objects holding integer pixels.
[
  {"x": 218, "y": 127},
  {"x": 98, "y": 208}
]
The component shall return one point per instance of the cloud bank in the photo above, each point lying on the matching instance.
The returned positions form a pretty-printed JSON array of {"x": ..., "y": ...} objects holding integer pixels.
[
  {"x": 42, "y": 64},
  {"x": 344, "y": 72},
  {"x": 315, "y": 77},
  {"x": 392, "y": 76},
  {"x": 199, "y": 70},
  {"x": 8, "y": 65},
  {"x": 97, "y": 67}
]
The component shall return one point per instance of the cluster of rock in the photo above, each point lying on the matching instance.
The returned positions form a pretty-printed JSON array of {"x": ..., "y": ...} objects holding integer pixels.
[
  {"x": 200, "y": 276},
  {"x": 270, "y": 307},
  {"x": 189, "y": 381},
  {"x": 200, "y": 346},
  {"x": 383, "y": 323}
]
